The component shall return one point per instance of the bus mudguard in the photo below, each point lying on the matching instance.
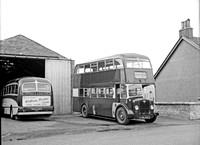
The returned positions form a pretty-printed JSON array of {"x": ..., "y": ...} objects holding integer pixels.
[{"x": 115, "y": 106}]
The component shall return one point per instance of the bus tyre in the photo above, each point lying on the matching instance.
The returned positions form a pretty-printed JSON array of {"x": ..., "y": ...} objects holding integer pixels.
[
  {"x": 12, "y": 116},
  {"x": 122, "y": 117},
  {"x": 151, "y": 120},
  {"x": 84, "y": 111}
]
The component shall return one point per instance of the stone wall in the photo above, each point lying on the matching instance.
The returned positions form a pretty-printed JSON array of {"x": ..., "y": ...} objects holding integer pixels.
[{"x": 186, "y": 110}]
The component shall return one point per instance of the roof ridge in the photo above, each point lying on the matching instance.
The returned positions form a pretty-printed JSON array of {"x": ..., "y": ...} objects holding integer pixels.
[
  {"x": 19, "y": 44},
  {"x": 195, "y": 45}
]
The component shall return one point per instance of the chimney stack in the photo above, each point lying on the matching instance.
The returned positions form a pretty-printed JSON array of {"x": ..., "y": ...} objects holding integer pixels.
[{"x": 186, "y": 30}]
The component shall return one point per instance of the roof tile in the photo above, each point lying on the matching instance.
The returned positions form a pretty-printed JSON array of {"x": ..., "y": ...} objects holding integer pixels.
[{"x": 21, "y": 45}]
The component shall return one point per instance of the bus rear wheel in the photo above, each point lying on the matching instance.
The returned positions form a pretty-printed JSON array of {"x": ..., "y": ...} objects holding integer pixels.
[
  {"x": 122, "y": 117},
  {"x": 84, "y": 111},
  {"x": 12, "y": 116}
]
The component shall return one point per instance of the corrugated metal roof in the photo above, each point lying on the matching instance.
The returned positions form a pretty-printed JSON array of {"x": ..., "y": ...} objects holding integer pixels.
[{"x": 21, "y": 46}]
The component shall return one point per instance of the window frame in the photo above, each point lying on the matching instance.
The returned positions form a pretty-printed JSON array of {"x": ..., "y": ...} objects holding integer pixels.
[
  {"x": 107, "y": 93},
  {"x": 101, "y": 94},
  {"x": 108, "y": 64}
]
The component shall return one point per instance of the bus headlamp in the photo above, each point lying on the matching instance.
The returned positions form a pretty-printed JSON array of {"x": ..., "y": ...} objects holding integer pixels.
[
  {"x": 151, "y": 107},
  {"x": 136, "y": 107}
]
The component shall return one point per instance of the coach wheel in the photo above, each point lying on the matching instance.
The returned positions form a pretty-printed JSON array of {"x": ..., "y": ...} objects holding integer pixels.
[
  {"x": 84, "y": 111},
  {"x": 12, "y": 116},
  {"x": 122, "y": 116},
  {"x": 151, "y": 120}
]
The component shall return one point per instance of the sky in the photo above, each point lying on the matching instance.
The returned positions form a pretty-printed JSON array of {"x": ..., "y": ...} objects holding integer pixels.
[{"x": 84, "y": 30}]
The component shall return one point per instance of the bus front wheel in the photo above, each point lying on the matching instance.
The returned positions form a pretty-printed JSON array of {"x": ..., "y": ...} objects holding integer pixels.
[
  {"x": 151, "y": 120},
  {"x": 122, "y": 117},
  {"x": 84, "y": 111}
]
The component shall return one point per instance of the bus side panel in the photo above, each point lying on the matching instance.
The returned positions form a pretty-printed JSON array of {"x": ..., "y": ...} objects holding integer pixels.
[
  {"x": 7, "y": 103},
  {"x": 101, "y": 106},
  {"x": 76, "y": 104},
  {"x": 76, "y": 81},
  {"x": 96, "y": 78}
]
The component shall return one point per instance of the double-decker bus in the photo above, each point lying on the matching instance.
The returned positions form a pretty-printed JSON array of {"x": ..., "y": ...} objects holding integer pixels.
[
  {"x": 28, "y": 96},
  {"x": 120, "y": 86}
]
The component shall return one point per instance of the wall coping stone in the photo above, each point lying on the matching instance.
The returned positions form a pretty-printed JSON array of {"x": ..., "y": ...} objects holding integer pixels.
[{"x": 177, "y": 103}]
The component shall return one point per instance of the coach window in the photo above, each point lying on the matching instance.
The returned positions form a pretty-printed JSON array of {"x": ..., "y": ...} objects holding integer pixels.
[
  {"x": 93, "y": 67},
  {"x": 16, "y": 89},
  {"x": 101, "y": 66},
  {"x": 10, "y": 89},
  {"x": 109, "y": 64},
  {"x": 87, "y": 68},
  {"x": 7, "y": 89},
  {"x": 13, "y": 89},
  {"x": 4, "y": 90}
]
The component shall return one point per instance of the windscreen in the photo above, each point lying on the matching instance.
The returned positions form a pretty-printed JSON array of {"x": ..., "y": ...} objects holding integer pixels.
[
  {"x": 32, "y": 87},
  {"x": 138, "y": 63},
  {"x": 134, "y": 90},
  {"x": 29, "y": 87}
]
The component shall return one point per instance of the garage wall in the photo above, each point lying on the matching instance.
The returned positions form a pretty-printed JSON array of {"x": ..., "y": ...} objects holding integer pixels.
[{"x": 59, "y": 72}]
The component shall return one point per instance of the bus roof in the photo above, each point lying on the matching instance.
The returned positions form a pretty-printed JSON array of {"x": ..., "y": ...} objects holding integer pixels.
[
  {"x": 122, "y": 55},
  {"x": 28, "y": 79}
]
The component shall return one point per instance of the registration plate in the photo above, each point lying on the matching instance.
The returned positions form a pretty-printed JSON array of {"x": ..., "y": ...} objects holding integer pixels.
[{"x": 145, "y": 117}]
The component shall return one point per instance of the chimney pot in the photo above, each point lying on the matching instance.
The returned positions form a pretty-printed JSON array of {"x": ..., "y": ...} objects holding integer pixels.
[
  {"x": 186, "y": 30},
  {"x": 182, "y": 24},
  {"x": 188, "y": 23}
]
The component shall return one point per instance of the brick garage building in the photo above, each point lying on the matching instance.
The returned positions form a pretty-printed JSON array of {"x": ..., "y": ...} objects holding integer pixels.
[
  {"x": 21, "y": 56},
  {"x": 178, "y": 78}
]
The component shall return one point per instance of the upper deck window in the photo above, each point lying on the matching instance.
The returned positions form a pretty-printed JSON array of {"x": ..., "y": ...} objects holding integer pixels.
[
  {"x": 101, "y": 66},
  {"x": 118, "y": 63},
  {"x": 80, "y": 69},
  {"x": 87, "y": 68},
  {"x": 138, "y": 63},
  {"x": 109, "y": 64},
  {"x": 93, "y": 67}
]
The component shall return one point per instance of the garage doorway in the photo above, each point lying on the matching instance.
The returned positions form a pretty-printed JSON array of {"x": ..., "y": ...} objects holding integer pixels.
[{"x": 14, "y": 67}]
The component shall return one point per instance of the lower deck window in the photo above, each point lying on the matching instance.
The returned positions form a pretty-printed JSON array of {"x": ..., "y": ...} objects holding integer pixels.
[
  {"x": 109, "y": 93},
  {"x": 93, "y": 92},
  {"x": 97, "y": 92},
  {"x": 101, "y": 92}
]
